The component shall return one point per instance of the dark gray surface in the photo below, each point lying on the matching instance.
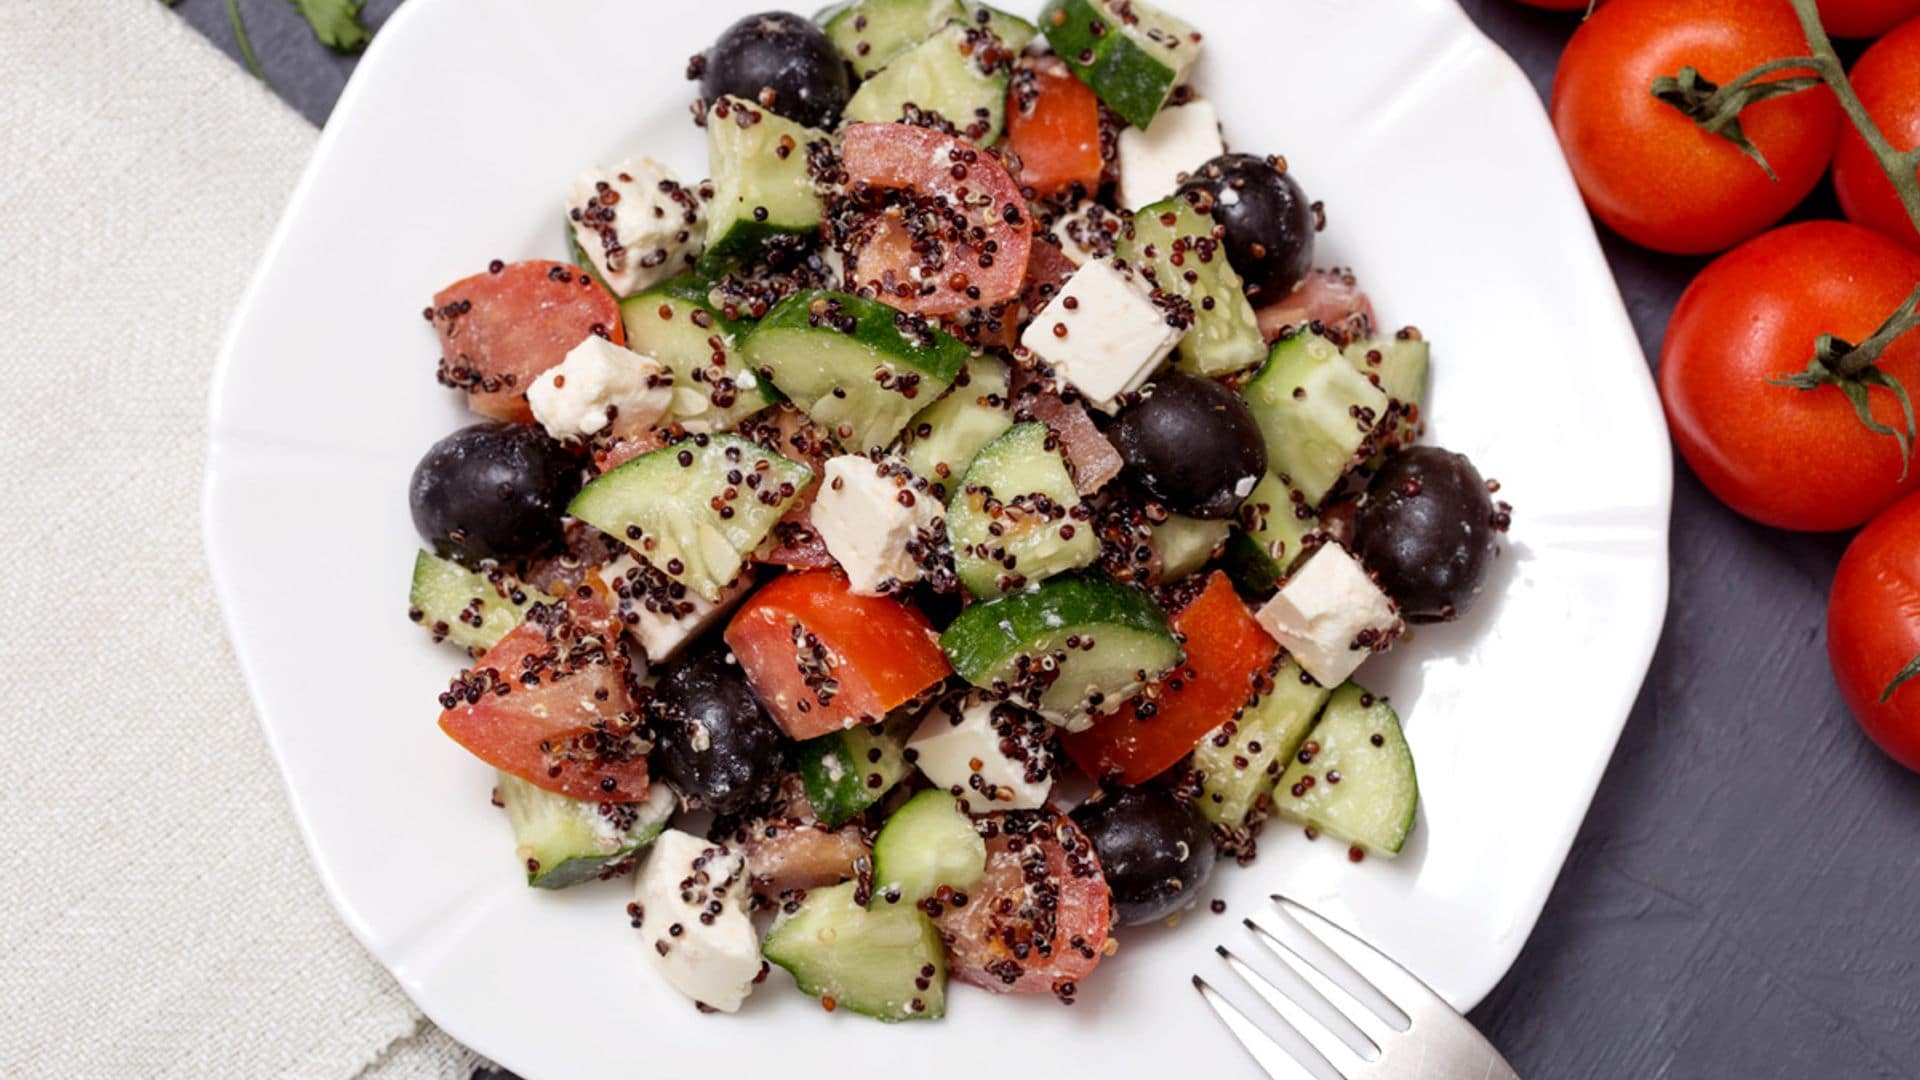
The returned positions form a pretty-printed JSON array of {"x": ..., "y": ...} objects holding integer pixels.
[{"x": 1744, "y": 899}]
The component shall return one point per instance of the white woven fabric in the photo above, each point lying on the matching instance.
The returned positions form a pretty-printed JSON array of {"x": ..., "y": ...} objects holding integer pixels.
[{"x": 162, "y": 918}]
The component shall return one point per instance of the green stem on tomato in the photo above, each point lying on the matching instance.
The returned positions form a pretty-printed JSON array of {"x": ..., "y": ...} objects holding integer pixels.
[
  {"x": 1901, "y": 168},
  {"x": 1912, "y": 671}
]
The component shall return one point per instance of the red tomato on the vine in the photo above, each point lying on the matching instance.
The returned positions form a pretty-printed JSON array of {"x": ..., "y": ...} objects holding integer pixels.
[
  {"x": 1647, "y": 170},
  {"x": 1887, "y": 78},
  {"x": 1794, "y": 459},
  {"x": 1561, "y": 5},
  {"x": 1873, "y": 630},
  {"x": 1865, "y": 18}
]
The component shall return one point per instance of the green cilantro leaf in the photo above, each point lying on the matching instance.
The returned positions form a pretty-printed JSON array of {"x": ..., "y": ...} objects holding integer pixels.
[{"x": 336, "y": 22}]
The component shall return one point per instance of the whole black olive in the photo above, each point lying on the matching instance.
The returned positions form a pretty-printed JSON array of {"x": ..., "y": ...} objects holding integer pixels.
[
  {"x": 712, "y": 739},
  {"x": 493, "y": 491},
  {"x": 1427, "y": 527},
  {"x": 782, "y": 62},
  {"x": 1192, "y": 445},
  {"x": 1156, "y": 851},
  {"x": 1269, "y": 221}
]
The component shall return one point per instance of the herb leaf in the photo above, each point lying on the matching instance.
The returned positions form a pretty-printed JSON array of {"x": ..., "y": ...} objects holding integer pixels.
[{"x": 336, "y": 22}]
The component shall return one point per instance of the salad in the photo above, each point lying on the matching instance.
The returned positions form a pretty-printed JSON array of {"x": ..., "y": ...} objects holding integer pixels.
[{"x": 930, "y": 541}]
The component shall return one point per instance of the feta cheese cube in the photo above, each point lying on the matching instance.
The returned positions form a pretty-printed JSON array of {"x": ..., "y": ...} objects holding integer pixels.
[
  {"x": 878, "y": 520},
  {"x": 659, "y": 613},
  {"x": 1154, "y": 162},
  {"x": 712, "y": 958},
  {"x": 964, "y": 747},
  {"x": 1331, "y": 616},
  {"x": 637, "y": 224},
  {"x": 1102, "y": 333},
  {"x": 600, "y": 384}
]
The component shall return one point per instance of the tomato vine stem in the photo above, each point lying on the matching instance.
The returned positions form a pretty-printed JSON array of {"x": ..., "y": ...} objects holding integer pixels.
[
  {"x": 1901, "y": 168},
  {"x": 1912, "y": 671}
]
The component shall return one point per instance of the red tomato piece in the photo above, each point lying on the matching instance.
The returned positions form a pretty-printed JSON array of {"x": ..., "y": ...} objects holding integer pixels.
[
  {"x": 1873, "y": 630},
  {"x": 549, "y": 704},
  {"x": 1887, "y": 78},
  {"x": 1053, "y": 127},
  {"x": 1037, "y": 922},
  {"x": 823, "y": 659},
  {"x": 1865, "y": 18},
  {"x": 500, "y": 329},
  {"x": 945, "y": 196},
  {"x": 1226, "y": 654}
]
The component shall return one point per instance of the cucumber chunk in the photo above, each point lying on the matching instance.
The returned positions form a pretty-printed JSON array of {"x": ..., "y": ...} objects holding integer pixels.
[
  {"x": 1239, "y": 761},
  {"x": 1076, "y": 645},
  {"x": 943, "y": 438},
  {"x": 1013, "y": 31},
  {"x": 1271, "y": 532},
  {"x": 470, "y": 609},
  {"x": 662, "y": 505},
  {"x": 675, "y": 323},
  {"x": 1315, "y": 411},
  {"x": 1353, "y": 777},
  {"x": 848, "y": 771},
  {"x": 762, "y": 182},
  {"x": 1013, "y": 519},
  {"x": 886, "y": 963},
  {"x": 1398, "y": 366},
  {"x": 927, "y": 843},
  {"x": 564, "y": 841},
  {"x": 857, "y": 367},
  {"x": 1134, "y": 71},
  {"x": 1186, "y": 544},
  {"x": 960, "y": 75},
  {"x": 871, "y": 33},
  {"x": 1173, "y": 245}
]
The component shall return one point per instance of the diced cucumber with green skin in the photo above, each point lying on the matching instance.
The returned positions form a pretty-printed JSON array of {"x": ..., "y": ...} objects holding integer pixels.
[
  {"x": 944, "y": 75},
  {"x": 941, "y": 441},
  {"x": 1120, "y": 643},
  {"x": 848, "y": 771},
  {"x": 664, "y": 510},
  {"x": 871, "y": 33},
  {"x": 871, "y": 962},
  {"x": 1315, "y": 411},
  {"x": 857, "y": 367},
  {"x": 1225, "y": 336},
  {"x": 468, "y": 608},
  {"x": 1018, "y": 483},
  {"x": 759, "y": 167},
  {"x": 1352, "y": 788},
  {"x": 1134, "y": 71},
  {"x": 564, "y": 841},
  {"x": 1186, "y": 544},
  {"x": 1398, "y": 366},
  {"x": 578, "y": 254},
  {"x": 1270, "y": 534},
  {"x": 1013, "y": 31},
  {"x": 1238, "y": 764},
  {"x": 927, "y": 843},
  {"x": 676, "y": 324}
]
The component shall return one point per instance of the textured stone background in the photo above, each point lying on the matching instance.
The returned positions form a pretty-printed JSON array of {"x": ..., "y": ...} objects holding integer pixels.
[{"x": 1744, "y": 899}]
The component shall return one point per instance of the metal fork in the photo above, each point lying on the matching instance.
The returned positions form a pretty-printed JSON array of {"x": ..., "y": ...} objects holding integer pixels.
[{"x": 1407, "y": 1031}]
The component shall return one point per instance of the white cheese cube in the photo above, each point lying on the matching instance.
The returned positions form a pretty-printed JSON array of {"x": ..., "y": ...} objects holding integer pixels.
[
  {"x": 711, "y": 958},
  {"x": 637, "y": 224},
  {"x": 1331, "y": 616},
  {"x": 1154, "y": 162},
  {"x": 962, "y": 746},
  {"x": 878, "y": 521},
  {"x": 600, "y": 384},
  {"x": 659, "y": 613},
  {"x": 1090, "y": 233},
  {"x": 1102, "y": 334}
]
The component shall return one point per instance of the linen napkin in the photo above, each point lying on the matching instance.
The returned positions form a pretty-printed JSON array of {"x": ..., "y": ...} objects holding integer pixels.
[{"x": 162, "y": 917}]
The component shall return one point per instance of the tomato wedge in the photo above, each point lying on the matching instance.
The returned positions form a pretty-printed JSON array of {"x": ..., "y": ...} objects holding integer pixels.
[
  {"x": 938, "y": 226},
  {"x": 1037, "y": 922},
  {"x": 500, "y": 329},
  {"x": 549, "y": 704},
  {"x": 1226, "y": 654},
  {"x": 823, "y": 659},
  {"x": 1053, "y": 127}
]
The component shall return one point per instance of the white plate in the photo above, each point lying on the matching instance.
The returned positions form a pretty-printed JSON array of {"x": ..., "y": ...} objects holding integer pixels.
[{"x": 452, "y": 146}]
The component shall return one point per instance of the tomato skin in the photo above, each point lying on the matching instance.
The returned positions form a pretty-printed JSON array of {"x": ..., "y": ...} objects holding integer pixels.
[
  {"x": 881, "y": 651},
  {"x": 499, "y": 329},
  {"x": 1873, "y": 629},
  {"x": 1887, "y": 78},
  {"x": 1865, "y": 18},
  {"x": 1794, "y": 459},
  {"x": 1650, "y": 173},
  {"x": 1558, "y": 5},
  {"x": 1065, "y": 943},
  {"x": 1053, "y": 127},
  {"x": 1226, "y": 652}
]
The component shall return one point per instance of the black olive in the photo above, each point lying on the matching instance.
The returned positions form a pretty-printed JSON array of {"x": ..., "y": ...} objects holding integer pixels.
[
  {"x": 1156, "y": 851},
  {"x": 493, "y": 491},
  {"x": 712, "y": 739},
  {"x": 1192, "y": 445},
  {"x": 1269, "y": 222},
  {"x": 782, "y": 62},
  {"x": 1426, "y": 527}
]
